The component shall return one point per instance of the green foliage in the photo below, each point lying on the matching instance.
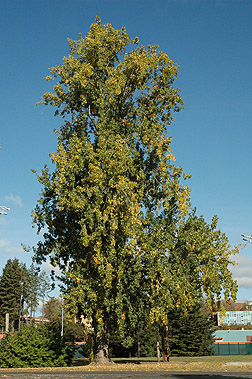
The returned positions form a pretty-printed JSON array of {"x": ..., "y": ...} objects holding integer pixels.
[
  {"x": 114, "y": 207},
  {"x": 73, "y": 332},
  {"x": 31, "y": 285},
  {"x": 52, "y": 308},
  {"x": 148, "y": 344},
  {"x": 190, "y": 334},
  {"x": 234, "y": 327},
  {"x": 20, "y": 290},
  {"x": 35, "y": 346},
  {"x": 201, "y": 257},
  {"x": 45, "y": 288},
  {"x": 11, "y": 291}
]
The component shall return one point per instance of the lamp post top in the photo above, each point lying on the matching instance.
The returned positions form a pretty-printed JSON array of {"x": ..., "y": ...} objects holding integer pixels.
[
  {"x": 247, "y": 238},
  {"x": 4, "y": 210}
]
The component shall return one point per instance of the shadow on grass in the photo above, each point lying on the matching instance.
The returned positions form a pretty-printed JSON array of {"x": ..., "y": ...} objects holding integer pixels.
[
  {"x": 137, "y": 361},
  {"x": 126, "y": 361},
  {"x": 80, "y": 362}
]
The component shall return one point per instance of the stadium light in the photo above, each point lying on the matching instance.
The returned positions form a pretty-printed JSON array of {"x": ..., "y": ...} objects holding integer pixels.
[
  {"x": 247, "y": 238},
  {"x": 4, "y": 210}
]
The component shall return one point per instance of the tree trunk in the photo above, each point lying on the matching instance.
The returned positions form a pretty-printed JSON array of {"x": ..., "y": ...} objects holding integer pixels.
[
  {"x": 102, "y": 351},
  {"x": 167, "y": 343},
  {"x": 158, "y": 348},
  {"x": 138, "y": 346},
  {"x": 163, "y": 341}
]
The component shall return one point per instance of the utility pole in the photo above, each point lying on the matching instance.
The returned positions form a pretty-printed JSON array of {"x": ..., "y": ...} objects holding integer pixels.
[
  {"x": 3, "y": 211},
  {"x": 62, "y": 318}
]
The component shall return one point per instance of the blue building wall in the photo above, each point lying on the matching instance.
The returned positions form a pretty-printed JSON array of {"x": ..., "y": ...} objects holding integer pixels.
[{"x": 232, "y": 335}]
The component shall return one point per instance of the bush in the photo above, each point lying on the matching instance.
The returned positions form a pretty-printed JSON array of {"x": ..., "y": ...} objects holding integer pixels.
[{"x": 35, "y": 346}]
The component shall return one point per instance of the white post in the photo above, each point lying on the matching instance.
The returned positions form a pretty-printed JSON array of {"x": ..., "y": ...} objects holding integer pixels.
[{"x": 6, "y": 322}]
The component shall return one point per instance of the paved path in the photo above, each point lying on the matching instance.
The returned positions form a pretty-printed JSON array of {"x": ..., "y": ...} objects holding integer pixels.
[{"x": 122, "y": 374}]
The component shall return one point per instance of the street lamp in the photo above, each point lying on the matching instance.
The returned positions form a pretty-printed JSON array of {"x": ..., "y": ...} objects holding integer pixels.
[
  {"x": 4, "y": 210},
  {"x": 247, "y": 238},
  {"x": 62, "y": 318}
]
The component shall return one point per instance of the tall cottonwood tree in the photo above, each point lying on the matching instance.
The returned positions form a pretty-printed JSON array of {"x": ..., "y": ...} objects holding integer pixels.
[{"x": 114, "y": 201}]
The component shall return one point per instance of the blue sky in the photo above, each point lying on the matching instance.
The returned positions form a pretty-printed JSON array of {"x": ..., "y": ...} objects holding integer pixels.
[{"x": 212, "y": 40}]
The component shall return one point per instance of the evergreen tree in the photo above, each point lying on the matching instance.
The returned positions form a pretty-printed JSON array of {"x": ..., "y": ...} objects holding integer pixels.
[
  {"x": 190, "y": 334},
  {"x": 12, "y": 292},
  {"x": 35, "y": 346}
]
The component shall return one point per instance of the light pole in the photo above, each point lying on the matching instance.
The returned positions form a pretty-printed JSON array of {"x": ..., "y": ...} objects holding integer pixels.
[
  {"x": 62, "y": 318},
  {"x": 247, "y": 238},
  {"x": 4, "y": 210}
]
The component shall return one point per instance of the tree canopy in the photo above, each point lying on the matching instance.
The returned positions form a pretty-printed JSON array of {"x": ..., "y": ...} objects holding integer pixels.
[{"x": 115, "y": 207}]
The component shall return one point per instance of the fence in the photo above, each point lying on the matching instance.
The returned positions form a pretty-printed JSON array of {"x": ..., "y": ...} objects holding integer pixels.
[{"x": 233, "y": 348}]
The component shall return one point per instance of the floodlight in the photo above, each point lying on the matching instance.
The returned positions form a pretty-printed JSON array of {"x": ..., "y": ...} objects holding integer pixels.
[
  {"x": 247, "y": 238},
  {"x": 4, "y": 210}
]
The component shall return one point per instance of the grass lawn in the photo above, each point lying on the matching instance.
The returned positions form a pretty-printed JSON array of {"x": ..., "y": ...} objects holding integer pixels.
[{"x": 211, "y": 363}]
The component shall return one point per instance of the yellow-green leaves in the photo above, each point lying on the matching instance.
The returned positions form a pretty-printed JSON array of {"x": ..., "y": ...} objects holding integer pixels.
[{"x": 115, "y": 207}]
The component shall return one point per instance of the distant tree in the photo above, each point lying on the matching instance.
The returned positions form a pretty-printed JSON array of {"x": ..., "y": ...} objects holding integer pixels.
[
  {"x": 52, "y": 308},
  {"x": 12, "y": 292},
  {"x": 45, "y": 287},
  {"x": 32, "y": 288}
]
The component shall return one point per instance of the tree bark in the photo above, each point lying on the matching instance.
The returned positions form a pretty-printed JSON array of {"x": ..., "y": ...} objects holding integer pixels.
[
  {"x": 138, "y": 346},
  {"x": 163, "y": 342},
  {"x": 102, "y": 351}
]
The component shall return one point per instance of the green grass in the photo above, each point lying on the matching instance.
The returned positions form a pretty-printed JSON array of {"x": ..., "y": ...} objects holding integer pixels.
[
  {"x": 214, "y": 358},
  {"x": 211, "y": 363}
]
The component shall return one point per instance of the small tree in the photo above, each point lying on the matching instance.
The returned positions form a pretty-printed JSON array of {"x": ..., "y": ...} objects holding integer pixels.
[
  {"x": 52, "y": 308},
  {"x": 34, "y": 346}
]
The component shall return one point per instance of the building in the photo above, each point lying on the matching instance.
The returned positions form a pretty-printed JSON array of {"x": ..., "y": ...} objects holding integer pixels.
[{"x": 234, "y": 318}]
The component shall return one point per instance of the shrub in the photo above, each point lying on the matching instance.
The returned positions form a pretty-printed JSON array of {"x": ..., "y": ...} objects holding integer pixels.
[{"x": 35, "y": 346}]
